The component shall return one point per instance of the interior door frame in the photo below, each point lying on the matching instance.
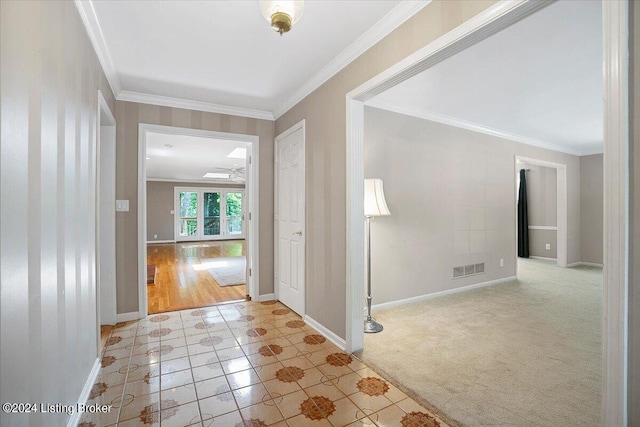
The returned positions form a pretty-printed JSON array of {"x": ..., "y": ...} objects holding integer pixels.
[
  {"x": 252, "y": 204},
  {"x": 616, "y": 177},
  {"x": 104, "y": 118},
  {"x": 223, "y": 212},
  {"x": 276, "y": 228},
  {"x": 562, "y": 207}
]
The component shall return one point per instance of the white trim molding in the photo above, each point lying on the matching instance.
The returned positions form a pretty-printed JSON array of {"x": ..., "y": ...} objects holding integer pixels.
[
  {"x": 545, "y": 258},
  {"x": 587, "y": 264},
  {"x": 463, "y": 124},
  {"x": 543, "y": 227},
  {"x": 187, "y": 104},
  {"x": 267, "y": 297},
  {"x": 151, "y": 242},
  {"x": 84, "y": 395},
  {"x": 94, "y": 31},
  {"x": 392, "y": 20},
  {"x": 405, "y": 301},
  {"x": 325, "y": 332},
  {"x": 616, "y": 211},
  {"x": 128, "y": 317}
]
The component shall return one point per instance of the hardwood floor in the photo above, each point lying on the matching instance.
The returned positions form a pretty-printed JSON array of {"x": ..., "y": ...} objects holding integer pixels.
[{"x": 179, "y": 286}]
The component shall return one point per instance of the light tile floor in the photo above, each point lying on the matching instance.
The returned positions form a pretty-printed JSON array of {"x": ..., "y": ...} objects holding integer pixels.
[{"x": 240, "y": 364}]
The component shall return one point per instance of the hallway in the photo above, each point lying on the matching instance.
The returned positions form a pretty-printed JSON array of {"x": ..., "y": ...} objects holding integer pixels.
[{"x": 251, "y": 364}]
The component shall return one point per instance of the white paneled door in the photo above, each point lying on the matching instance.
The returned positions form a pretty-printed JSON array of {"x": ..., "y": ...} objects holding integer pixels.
[{"x": 290, "y": 218}]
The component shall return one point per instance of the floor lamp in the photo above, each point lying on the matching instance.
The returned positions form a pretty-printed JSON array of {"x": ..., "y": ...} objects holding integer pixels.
[{"x": 374, "y": 205}]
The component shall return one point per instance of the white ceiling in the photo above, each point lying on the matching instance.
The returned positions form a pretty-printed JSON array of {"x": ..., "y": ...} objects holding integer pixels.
[
  {"x": 225, "y": 53},
  {"x": 189, "y": 157},
  {"x": 539, "y": 81}
]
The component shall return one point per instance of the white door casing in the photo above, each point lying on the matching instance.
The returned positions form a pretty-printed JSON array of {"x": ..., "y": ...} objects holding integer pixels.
[
  {"x": 251, "y": 205},
  {"x": 106, "y": 214},
  {"x": 290, "y": 218}
]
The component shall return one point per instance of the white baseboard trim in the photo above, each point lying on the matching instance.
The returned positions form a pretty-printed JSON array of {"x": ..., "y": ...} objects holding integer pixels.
[
  {"x": 590, "y": 264},
  {"x": 84, "y": 396},
  {"x": 267, "y": 297},
  {"x": 543, "y": 258},
  {"x": 127, "y": 317},
  {"x": 425, "y": 297},
  {"x": 339, "y": 342},
  {"x": 150, "y": 242}
]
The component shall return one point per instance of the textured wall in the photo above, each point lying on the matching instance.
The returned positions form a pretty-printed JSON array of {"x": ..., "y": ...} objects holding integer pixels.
[
  {"x": 160, "y": 203},
  {"x": 451, "y": 193},
  {"x": 325, "y": 114},
  {"x": 48, "y": 325},
  {"x": 129, "y": 115},
  {"x": 592, "y": 207}
]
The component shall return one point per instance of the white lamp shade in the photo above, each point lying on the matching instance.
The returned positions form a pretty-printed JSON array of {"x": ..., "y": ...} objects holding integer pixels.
[
  {"x": 293, "y": 8},
  {"x": 374, "y": 202}
]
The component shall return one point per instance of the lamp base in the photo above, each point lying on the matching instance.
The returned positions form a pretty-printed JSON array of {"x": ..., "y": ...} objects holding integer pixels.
[{"x": 372, "y": 327}]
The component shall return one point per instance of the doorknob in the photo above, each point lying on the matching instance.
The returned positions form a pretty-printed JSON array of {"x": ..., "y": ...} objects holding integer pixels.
[{"x": 297, "y": 233}]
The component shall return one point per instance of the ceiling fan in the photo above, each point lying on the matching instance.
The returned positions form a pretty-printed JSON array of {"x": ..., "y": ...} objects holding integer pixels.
[{"x": 233, "y": 174}]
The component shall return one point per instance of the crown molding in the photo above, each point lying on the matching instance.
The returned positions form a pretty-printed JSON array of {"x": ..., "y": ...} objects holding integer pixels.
[
  {"x": 167, "y": 101},
  {"x": 90, "y": 20},
  {"x": 231, "y": 184},
  {"x": 392, "y": 20},
  {"x": 459, "y": 123}
]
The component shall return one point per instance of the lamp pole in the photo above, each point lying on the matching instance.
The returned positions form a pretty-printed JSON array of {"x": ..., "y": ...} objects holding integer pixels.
[{"x": 370, "y": 325}]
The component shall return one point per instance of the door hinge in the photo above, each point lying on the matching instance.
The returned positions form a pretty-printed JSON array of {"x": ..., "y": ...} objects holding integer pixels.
[
  {"x": 249, "y": 216},
  {"x": 249, "y": 159},
  {"x": 250, "y": 272}
]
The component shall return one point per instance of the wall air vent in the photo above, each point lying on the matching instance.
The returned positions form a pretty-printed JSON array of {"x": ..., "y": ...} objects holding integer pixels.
[{"x": 468, "y": 270}]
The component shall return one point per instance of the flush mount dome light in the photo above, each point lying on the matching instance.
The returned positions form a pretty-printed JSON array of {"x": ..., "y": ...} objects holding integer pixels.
[{"x": 282, "y": 14}]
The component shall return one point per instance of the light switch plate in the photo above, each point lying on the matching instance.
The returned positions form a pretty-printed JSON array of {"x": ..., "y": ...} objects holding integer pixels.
[
  {"x": 122, "y": 206},
  {"x": 548, "y": 246}
]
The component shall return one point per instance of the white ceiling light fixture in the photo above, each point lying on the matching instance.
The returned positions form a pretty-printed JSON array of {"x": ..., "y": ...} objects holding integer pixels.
[
  {"x": 238, "y": 153},
  {"x": 282, "y": 14}
]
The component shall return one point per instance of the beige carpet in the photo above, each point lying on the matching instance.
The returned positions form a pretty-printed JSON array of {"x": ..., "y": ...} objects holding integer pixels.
[{"x": 524, "y": 353}]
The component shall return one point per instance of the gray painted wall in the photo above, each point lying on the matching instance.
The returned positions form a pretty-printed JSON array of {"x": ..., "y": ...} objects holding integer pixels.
[
  {"x": 48, "y": 324},
  {"x": 451, "y": 193},
  {"x": 592, "y": 207},
  {"x": 129, "y": 115},
  {"x": 634, "y": 227},
  {"x": 160, "y": 203},
  {"x": 538, "y": 239},
  {"x": 542, "y": 198}
]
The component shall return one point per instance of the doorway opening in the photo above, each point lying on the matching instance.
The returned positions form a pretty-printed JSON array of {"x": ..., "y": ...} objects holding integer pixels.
[
  {"x": 548, "y": 209},
  {"x": 198, "y": 225},
  {"x": 616, "y": 143},
  {"x": 105, "y": 220}
]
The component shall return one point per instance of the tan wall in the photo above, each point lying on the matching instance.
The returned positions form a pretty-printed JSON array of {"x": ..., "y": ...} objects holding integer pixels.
[
  {"x": 592, "y": 207},
  {"x": 49, "y": 81},
  {"x": 129, "y": 115},
  {"x": 160, "y": 203},
  {"x": 634, "y": 270},
  {"x": 325, "y": 114},
  {"x": 451, "y": 193}
]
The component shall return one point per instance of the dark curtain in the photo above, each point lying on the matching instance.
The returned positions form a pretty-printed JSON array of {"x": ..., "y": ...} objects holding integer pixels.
[{"x": 523, "y": 218}]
